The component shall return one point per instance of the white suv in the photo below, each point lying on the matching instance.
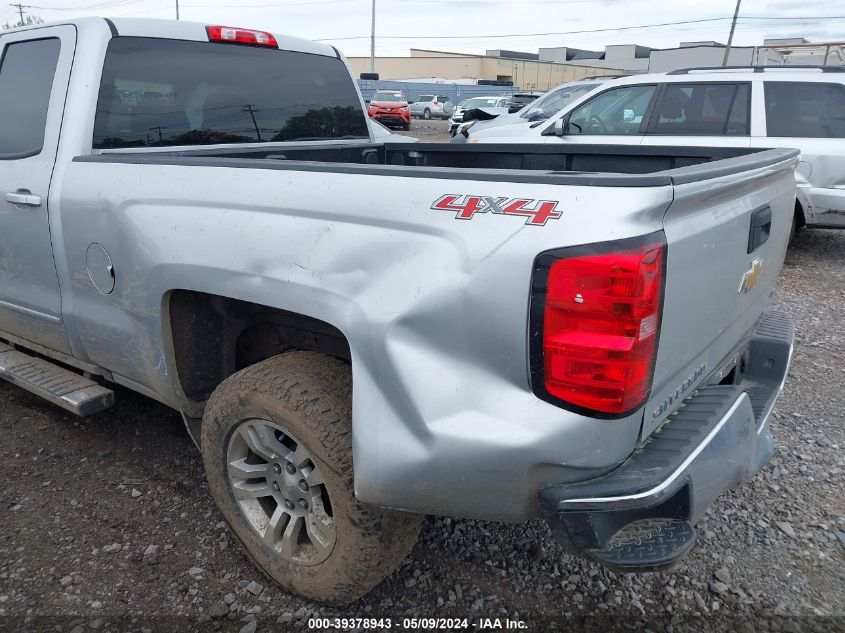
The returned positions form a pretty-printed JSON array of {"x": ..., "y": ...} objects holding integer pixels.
[{"x": 768, "y": 106}]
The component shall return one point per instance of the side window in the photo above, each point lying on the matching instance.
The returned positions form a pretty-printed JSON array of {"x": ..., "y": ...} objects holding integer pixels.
[
  {"x": 703, "y": 110},
  {"x": 615, "y": 111},
  {"x": 805, "y": 109},
  {"x": 26, "y": 80},
  {"x": 739, "y": 122}
]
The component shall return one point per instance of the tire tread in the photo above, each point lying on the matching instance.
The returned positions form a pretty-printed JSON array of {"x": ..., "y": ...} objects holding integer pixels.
[{"x": 318, "y": 389}]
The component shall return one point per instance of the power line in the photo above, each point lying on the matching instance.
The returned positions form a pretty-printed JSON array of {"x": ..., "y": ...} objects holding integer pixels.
[
  {"x": 271, "y": 4},
  {"x": 91, "y": 7},
  {"x": 620, "y": 28},
  {"x": 486, "y": 2}
]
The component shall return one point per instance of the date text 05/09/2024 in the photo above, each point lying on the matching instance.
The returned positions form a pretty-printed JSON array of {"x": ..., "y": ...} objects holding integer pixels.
[{"x": 447, "y": 624}]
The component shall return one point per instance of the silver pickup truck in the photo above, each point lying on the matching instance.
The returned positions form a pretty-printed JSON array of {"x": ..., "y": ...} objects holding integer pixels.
[{"x": 358, "y": 334}]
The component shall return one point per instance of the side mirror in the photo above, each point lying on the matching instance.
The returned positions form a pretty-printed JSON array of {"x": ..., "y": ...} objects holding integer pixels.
[
  {"x": 628, "y": 115},
  {"x": 557, "y": 128}
]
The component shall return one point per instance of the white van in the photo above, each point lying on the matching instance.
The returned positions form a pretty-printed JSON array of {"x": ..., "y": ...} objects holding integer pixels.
[{"x": 764, "y": 106}]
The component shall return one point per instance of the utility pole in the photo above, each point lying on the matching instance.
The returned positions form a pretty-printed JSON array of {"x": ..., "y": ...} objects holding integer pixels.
[
  {"x": 177, "y": 9},
  {"x": 248, "y": 108},
  {"x": 731, "y": 34},
  {"x": 373, "y": 41},
  {"x": 20, "y": 7},
  {"x": 160, "y": 138}
]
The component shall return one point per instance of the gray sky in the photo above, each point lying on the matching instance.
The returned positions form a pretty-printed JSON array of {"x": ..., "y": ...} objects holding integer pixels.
[{"x": 472, "y": 25}]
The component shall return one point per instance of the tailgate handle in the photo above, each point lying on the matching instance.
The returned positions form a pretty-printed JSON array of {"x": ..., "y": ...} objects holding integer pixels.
[{"x": 761, "y": 227}]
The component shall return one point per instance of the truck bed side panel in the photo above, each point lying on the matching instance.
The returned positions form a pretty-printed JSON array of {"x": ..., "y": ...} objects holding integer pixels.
[{"x": 434, "y": 308}]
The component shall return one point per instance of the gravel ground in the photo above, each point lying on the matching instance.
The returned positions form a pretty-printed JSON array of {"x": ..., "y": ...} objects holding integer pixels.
[
  {"x": 108, "y": 524},
  {"x": 432, "y": 131}
]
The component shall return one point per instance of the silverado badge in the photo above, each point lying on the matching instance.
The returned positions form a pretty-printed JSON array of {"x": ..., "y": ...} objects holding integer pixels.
[{"x": 751, "y": 276}]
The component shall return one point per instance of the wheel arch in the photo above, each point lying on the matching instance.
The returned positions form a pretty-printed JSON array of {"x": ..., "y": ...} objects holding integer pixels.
[{"x": 208, "y": 337}]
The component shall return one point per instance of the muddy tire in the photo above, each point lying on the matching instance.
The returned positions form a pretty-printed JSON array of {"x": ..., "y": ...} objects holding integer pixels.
[{"x": 277, "y": 448}]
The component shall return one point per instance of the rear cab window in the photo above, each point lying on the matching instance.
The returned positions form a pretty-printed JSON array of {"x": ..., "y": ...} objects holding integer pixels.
[
  {"x": 159, "y": 92},
  {"x": 703, "y": 109},
  {"x": 805, "y": 109}
]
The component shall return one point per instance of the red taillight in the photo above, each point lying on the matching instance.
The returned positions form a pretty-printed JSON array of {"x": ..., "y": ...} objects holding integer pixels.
[
  {"x": 600, "y": 324},
  {"x": 234, "y": 35}
]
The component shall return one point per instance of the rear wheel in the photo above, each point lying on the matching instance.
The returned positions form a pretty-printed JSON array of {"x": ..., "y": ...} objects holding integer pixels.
[
  {"x": 426, "y": 114},
  {"x": 277, "y": 448}
]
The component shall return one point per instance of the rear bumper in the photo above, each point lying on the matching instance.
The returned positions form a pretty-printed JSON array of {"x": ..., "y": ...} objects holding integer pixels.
[
  {"x": 719, "y": 438},
  {"x": 395, "y": 117}
]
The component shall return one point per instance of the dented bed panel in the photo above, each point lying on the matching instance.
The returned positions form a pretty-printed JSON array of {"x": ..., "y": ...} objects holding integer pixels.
[{"x": 434, "y": 307}]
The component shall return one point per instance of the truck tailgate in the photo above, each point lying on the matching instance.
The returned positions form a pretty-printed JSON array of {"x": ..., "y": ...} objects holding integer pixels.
[{"x": 719, "y": 278}]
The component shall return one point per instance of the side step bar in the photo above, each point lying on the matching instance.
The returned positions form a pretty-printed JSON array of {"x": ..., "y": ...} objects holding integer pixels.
[{"x": 55, "y": 384}]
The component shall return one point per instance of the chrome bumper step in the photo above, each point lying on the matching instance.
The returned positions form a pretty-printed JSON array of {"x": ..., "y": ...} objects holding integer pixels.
[{"x": 55, "y": 384}]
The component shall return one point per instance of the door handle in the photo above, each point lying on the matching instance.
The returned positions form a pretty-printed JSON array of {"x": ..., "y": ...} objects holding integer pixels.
[{"x": 23, "y": 197}]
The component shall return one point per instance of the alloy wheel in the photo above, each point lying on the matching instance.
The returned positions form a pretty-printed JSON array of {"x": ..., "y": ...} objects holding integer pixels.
[{"x": 280, "y": 491}]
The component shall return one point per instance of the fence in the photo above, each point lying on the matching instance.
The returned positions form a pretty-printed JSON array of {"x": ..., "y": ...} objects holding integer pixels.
[{"x": 412, "y": 90}]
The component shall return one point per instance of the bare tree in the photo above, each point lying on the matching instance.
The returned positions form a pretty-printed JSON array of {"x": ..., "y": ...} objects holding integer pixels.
[{"x": 29, "y": 21}]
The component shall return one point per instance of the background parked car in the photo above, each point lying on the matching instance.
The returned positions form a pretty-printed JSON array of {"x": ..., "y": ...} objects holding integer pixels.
[
  {"x": 542, "y": 108},
  {"x": 490, "y": 104},
  {"x": 390, "y": 107},
  {"x": 432, "y": 107},
  {"x": 801, "y": 108},
  {"x": 521, "y": 99}
]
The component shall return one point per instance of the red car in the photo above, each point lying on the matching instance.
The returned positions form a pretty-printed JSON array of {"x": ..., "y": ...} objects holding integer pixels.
[{"x": 390, "y": 107}]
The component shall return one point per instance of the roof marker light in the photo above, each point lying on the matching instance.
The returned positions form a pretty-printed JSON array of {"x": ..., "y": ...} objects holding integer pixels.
[{"x": 234, "y": 35}]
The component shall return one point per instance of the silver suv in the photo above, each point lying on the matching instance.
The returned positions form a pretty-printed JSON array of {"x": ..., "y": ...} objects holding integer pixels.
[{"x": 432, "y": 107}]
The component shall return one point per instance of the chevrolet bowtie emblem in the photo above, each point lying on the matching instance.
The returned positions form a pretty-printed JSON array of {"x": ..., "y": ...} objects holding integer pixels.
[{"x": 751, "y": 276}]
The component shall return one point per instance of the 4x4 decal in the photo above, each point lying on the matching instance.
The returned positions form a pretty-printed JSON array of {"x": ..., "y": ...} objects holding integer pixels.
[{"x": 465, "y": 207}]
